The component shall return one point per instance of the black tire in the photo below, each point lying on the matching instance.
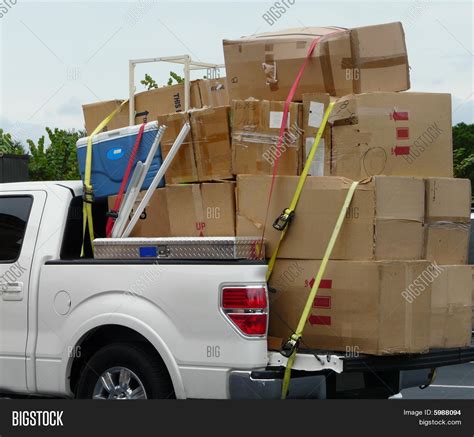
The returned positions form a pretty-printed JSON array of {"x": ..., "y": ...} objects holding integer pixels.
[{"x": 138, "y": 358}]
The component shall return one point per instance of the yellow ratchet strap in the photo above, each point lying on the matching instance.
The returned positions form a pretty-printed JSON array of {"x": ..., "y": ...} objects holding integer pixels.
[
  {"x": 88, "y": 193},
  {"x": 283, "y": 221},
  {"x": 291, "y": 346}
]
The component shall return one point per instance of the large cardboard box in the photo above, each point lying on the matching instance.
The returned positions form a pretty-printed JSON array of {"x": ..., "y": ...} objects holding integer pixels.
[
  {"x": 211, "y": 139},
  {"x": 451, "y": 307},
  {"x": 202, "y": 210},
  {"x": 447, "y": 220},
  {"x": 314, "y": 107},
  {"x": 95, "y": 113},
  {"x": 255, "y": 132},
  {"x": 359, "y": 307},
  {"x": 154, "y": 221},
  {"x": 360, "y": 60},
  {"x": 402, "y": 134},
  {"x": 166, "y": 100},
  {"x": 183, "y": 168},
  {"x": 213, "y": 92},
  {"x": 384, "y": 220}
]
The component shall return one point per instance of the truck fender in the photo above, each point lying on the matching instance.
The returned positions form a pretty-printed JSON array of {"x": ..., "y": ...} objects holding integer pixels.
[{"x": 130, "y": 322}]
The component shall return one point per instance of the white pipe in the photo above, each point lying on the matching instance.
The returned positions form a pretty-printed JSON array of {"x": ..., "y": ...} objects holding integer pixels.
[
  {"x": 157, "y": 179},
  {"x": 129, "y": 201},
  {"x": 131, "y": 93},
  {"x": 187, "y": 85},
  {"x": 135, "y": 184}
]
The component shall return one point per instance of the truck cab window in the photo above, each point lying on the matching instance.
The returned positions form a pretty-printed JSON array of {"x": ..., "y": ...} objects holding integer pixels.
[
  {"x": 14, "y": 213},
  {"x": 72, "y": 240}
]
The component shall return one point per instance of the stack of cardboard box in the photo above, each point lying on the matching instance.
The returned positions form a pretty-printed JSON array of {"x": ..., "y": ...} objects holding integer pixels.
[{"x": 397, "y": 280}]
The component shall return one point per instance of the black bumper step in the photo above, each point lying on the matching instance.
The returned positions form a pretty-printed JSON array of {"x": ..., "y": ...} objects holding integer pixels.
[{"x": 431, "y": 359}]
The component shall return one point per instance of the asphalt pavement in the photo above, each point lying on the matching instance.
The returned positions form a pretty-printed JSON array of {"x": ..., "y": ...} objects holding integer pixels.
[{"x": 452, "y": 382}]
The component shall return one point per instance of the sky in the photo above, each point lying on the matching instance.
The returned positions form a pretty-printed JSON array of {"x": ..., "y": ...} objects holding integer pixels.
[{"x": 57, "y": 56}]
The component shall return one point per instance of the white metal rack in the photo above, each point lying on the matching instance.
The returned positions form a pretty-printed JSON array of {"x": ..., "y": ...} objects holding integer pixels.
[{"x": 188, "y": 65}]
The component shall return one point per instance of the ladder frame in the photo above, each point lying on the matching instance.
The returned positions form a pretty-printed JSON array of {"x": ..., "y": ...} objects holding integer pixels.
[{"x": 188, "y": 65}]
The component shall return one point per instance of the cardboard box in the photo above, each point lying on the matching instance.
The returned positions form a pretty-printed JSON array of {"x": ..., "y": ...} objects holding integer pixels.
[
  {"x": 447, "y": 220},
  {"x": 166, "y": 100},
  {"x": 183, "y": 167},
  {"x": 95, "y": 113},
  {"x": 314, "y": 107},
  {"x": 206, "y": 153},
  {"x": 451, "y": 307},
  {"x": 448, "y": 199},
  {"x": 360, "y": 60},
  {"x": 255, "y": 132},
  {"x": 447, "y": 243},
  {"x": 384, "y": 220},
  {"x": 359, "y": 307},
  {"x": 154, "y": 221},
  {"x": 402, "y": 134},
  {"x": 213, "y": 92},
  {"x": 202, "y": 210},
  {"x": 211, "y": 140}
]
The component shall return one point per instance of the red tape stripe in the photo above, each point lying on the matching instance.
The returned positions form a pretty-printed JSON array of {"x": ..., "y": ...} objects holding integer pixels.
[
  {"x": 403, "y": 133},
  {"x": 402, "y": 150},
  {"x": 325, "y": 283},
  {"x": 320, "y": 320},
  {"x": 400, "y": 115},
  {"x": 322, "y": 302}
]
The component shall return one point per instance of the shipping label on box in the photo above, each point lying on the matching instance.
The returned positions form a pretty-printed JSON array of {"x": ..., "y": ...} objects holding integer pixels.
[
  {"x": 255, "y": 133},
  {"x": 384, "y": 220},
  {"x": 360, "y": 306},
  {"x": 314, "y": 107}
]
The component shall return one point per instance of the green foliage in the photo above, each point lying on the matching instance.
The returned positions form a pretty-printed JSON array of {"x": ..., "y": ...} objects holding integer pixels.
[
  {"x": 57, "y": 161},
  {"x": 176, "y": 77},
  {"x": 10, "y": 146},
  {"x": 149, "y": 82},
  {"x": 463, "y": 144}
]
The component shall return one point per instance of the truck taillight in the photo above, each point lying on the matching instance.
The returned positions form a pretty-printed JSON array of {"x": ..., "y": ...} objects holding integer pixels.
[{"x": 246, "y": 307}]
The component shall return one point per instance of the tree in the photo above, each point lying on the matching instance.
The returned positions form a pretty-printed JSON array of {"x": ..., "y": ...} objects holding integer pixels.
[
  {"x": 463, "y": 145},
  {"x": 59, "y": 160},
  {"x": 151, "y": 84},
  {"x": 10, "y": 146},
  {"x": 176, "y": 77}
]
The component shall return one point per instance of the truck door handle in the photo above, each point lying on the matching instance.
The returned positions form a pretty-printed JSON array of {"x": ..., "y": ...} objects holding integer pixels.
[{"x": 11, "y": 290}]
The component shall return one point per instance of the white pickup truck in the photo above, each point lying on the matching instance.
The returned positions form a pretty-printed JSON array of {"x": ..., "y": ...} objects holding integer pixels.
[{"x": 116, "y": 329}]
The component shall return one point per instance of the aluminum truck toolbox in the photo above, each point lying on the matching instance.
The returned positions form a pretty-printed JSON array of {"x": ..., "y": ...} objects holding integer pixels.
[{"x": 179, "y": 248}]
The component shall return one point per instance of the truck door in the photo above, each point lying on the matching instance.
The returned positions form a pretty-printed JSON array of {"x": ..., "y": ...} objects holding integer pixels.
[{"x": 20, "y": 217}]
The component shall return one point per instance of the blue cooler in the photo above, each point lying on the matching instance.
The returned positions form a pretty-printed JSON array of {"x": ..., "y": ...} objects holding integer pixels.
[{"x": 110, "y": 154}]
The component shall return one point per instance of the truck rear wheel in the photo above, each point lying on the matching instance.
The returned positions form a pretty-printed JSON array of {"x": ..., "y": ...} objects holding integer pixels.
[{"x": 124, "y": 371}]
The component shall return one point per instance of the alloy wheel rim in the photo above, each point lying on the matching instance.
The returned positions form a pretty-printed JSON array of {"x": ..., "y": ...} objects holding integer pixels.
[{"x": 119, "y": 383}]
